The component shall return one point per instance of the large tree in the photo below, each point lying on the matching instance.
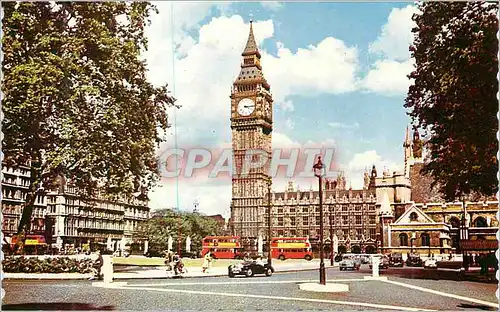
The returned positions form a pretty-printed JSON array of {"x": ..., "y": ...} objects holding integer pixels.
[
  {"x": 453, "y": 98},
  {"x": 77, "y": 103},
  {"x": 165, "y": 223}
]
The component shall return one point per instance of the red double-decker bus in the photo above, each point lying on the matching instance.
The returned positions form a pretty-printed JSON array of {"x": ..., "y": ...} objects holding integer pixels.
[
  {"x": 221, "y": 247},
  {"x": 291, "y": 248}
]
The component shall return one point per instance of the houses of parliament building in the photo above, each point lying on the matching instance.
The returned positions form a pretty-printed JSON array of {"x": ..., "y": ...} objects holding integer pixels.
[{"x": 394, "y": 212}]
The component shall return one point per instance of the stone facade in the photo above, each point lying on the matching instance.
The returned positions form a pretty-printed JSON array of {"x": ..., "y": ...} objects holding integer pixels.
[
  {"x": 421, "y": 190},
  {"x": 353, "y": 214},
  {"x": 65, "y": 218}
]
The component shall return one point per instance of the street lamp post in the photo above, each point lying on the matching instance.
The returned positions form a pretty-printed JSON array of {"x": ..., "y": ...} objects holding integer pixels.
[
  {"x": 269, "y": 220},
  {"x": 331, "y": 237},
  {"x": 463, "y": 234},
  {"x": 318, "y": 172}
]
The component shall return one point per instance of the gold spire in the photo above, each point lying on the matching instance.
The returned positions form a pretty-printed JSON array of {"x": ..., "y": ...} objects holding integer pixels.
[{"x": 251, "y": 46}]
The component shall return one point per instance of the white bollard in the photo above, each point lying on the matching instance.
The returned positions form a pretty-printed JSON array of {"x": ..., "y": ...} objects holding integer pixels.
[
  {"x": 375, "y": 268},
  {"x": 107, "y": 269}
]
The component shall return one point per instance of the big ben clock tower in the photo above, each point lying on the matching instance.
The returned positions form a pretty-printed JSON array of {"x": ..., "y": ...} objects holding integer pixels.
[{"x": 251, "y": 125}]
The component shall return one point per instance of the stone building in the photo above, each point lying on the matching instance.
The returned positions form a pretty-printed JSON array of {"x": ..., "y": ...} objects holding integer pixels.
[
  {"x": 65, "y": 218},
  {"x": 398, "y": 212},
  {"x": 426, "y": 223}
]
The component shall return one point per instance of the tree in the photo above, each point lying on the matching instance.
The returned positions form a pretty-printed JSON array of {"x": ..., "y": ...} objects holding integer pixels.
[
  {"x": 77, "y": 103},
  {"x": 165, "y": 223},
  {"x": 453, "y": 97}
]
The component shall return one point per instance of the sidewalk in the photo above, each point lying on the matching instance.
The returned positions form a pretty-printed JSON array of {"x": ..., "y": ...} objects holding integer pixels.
[{"x": 160, "y": 272}]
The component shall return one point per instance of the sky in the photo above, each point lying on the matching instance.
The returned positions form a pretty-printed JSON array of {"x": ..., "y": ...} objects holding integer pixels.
[{"x": 337, "y": 71}]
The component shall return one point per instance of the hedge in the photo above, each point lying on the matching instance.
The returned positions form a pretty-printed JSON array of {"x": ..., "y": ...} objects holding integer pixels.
[{"x": 47, "y": 265}]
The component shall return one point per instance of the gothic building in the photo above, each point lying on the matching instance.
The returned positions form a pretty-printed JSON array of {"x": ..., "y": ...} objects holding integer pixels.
[{"x": 394, "y": 212}]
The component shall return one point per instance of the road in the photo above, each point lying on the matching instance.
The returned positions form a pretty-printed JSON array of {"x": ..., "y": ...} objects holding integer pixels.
[{"x": 278, "y": 292}]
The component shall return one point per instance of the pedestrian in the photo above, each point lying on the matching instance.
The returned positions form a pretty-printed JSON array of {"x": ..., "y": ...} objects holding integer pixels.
[
  {"x": 206, "y": 261},
  {"x": 98, "y": 266}
]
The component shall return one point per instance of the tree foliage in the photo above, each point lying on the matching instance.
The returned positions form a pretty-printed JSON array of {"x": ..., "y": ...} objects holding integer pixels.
[
  {"x": 165, "y": 223},
  {"x": 453, "y": 98},
  {"x": 77, "y": 103}
]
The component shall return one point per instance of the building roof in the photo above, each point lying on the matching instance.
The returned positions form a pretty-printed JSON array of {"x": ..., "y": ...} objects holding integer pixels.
[
  {"x": 251, "y": 46},
  {"x": 251, "y": 70},
  {"x": 300, "y": 195}
]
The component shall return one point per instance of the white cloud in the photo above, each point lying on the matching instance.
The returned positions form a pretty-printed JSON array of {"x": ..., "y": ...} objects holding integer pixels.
[
  {"x": 396, "y": 35},
  {"x": 328, "y": 67},
  {"x": 272, "y": 5},
  {"x": 205, "y": 68},
  {"x": 289, "y": 124},
  {"x": 388, "y": 77},
  {"x": 364, "y": 161},
  {"x": 212, "y": 199},
  {"x": 286, "y": 105},
  {"x": 340, "y": 125}
]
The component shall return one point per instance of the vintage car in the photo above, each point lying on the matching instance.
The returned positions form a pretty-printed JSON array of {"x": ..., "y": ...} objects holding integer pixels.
[
  {"x": 349, "y": 262},
  {"x": 249, "y": 268},
  {"x": 414, "y": 260},
  {"x": 396, "y": 260},
  {"x": 384, "y": 262}
]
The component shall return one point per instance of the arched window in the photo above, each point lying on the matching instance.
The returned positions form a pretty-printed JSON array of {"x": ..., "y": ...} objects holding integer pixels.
[
  {"x": 480, "y": 222},
  {"x": 426, "y": 240},
  {"x": 454, "y": 222},
  {"x": 413, "y": 216},
  {"x": 403, "y": 239}
]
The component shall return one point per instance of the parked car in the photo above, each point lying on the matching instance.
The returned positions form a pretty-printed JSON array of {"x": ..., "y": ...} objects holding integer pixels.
[
  {"x": 365, "y": 259},
  {"x": 414, "y": 260},
  {"x": 249, "y": 269},
  {"x": 396, "y": 260},
  {"x": 432, "y": 262},
  {"x": 384, "y": 262},
  {"x": 349, "y": 262}
]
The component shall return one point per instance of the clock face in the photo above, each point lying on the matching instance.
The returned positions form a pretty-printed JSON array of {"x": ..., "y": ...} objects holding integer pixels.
[{"x": 246, "y": 107}]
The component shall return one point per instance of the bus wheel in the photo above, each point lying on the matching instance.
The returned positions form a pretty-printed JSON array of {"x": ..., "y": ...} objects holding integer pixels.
[
  {"x": 281, "y": 257},
  {"x": 308, "y": 257}
]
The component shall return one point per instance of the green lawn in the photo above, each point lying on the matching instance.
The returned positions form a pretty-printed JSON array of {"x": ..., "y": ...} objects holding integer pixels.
[{"x": 142, "y": 261}]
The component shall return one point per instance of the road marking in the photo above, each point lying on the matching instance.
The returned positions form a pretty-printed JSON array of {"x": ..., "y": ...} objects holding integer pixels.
[
  {"x": 361, "y": 304},
  {"x": 246, "y": 282},
  {"x": 486, "y": 303}
]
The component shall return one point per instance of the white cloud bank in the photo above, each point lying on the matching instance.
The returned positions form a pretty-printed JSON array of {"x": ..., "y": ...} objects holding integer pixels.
[
  {"x": 388, "y": 76},
  {"x": 205, "y": 68}
]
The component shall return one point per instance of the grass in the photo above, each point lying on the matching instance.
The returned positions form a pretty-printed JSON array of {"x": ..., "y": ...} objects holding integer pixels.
[{"x": 142, "y": 261}]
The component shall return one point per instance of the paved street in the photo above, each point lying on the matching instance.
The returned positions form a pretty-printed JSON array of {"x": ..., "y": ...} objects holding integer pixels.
[{"x": 278, "y": 292}]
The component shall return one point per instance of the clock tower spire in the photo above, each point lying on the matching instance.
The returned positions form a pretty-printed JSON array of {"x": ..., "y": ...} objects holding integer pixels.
[{"x": 251, "y": 129}]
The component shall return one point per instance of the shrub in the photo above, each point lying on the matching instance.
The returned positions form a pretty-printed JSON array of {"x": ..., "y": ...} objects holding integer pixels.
[{"x": 46, "y": 265}]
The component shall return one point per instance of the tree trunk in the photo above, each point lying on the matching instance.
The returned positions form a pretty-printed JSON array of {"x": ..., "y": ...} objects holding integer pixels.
[{"x": 25, "y": 222}]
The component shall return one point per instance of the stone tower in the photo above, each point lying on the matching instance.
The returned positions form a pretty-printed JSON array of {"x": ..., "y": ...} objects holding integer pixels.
[
  {"x": 407, "y": 145},
  {"x": 251, "y": 128}
]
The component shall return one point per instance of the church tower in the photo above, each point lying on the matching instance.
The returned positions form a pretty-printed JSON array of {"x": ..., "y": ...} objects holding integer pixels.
[{"x": 251, "y": 128}]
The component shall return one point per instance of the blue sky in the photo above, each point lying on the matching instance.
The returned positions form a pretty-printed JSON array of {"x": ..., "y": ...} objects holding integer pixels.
[{"x": 337, "y": 73}]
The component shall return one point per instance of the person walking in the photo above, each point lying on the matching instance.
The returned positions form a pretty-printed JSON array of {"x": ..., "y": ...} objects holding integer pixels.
[
  {"x": 206, "y": 261},
  {"x": 98, "y": 266}
]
